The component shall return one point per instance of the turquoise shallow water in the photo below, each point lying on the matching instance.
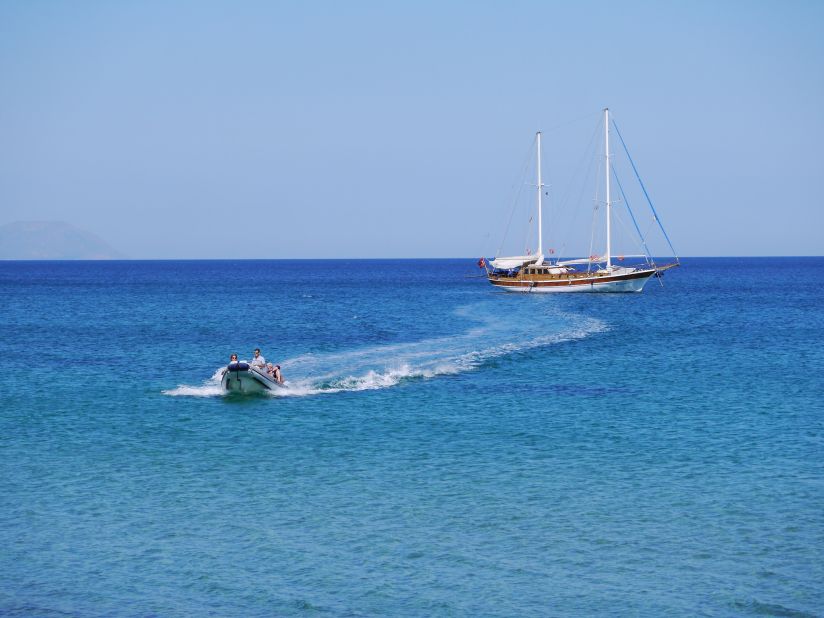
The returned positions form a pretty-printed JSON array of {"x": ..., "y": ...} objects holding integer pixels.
[{"x": 445, "y": 449}]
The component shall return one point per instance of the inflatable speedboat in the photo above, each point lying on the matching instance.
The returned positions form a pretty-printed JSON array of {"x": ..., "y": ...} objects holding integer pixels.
[{"x": 243, "y": 378}]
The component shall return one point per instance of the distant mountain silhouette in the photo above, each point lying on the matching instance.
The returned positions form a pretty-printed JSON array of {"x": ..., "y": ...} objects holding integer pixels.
[{"x": 52, "y": 240}]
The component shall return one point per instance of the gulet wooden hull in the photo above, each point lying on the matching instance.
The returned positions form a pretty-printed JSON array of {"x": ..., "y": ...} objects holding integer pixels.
[{"x": 632, "y": 281}]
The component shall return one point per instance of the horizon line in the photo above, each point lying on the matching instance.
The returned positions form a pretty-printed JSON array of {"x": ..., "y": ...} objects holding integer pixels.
[{"x": 342, "y": 259}]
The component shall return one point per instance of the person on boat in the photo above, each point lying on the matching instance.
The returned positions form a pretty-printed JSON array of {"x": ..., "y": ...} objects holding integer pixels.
[
  {"x": 258, "y": 362},
  {"x": 232, "y": 361},
  {"x": 274, "y": 372}
]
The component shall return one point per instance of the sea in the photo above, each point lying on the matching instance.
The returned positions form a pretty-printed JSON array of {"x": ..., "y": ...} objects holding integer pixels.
[{"x": 443, "y": 448}]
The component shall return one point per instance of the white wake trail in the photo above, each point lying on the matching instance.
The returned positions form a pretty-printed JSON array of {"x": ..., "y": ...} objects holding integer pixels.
[{"x": 384, "y": 366}]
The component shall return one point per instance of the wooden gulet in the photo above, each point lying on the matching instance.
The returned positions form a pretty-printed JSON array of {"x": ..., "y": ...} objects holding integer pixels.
[{"x": 531, "y": 273}]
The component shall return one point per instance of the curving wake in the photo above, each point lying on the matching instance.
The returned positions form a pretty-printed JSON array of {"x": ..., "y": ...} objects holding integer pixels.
[{"x": 384, "y": 366}]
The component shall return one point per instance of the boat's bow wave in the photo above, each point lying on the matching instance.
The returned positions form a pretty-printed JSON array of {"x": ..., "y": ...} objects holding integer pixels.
[
  {"x": 210, "y": 388},
  {"x": 384, "y": 366}
]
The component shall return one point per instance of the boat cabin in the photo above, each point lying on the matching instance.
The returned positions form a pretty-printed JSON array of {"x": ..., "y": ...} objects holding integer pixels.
[{"x": 545, "y": 270}]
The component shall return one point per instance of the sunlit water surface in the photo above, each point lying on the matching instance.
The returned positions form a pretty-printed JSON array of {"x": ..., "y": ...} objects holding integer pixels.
[{"x": 442, "y": 449}]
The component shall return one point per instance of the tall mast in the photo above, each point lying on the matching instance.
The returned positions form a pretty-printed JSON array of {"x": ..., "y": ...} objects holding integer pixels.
[
  {"x": 606, "y": 150},
  {"x": 540, "y": 187}
]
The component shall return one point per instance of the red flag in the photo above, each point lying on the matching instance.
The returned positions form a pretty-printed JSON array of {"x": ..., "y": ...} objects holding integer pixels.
[{"x": 481, "y": 263}]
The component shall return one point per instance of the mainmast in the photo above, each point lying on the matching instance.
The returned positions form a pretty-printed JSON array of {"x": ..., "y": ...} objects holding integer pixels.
[
  {"x": 540, "y": 190},
  {"x": 606, "y": 150}
]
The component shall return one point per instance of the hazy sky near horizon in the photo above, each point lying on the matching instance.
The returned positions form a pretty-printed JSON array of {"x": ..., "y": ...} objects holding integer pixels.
[{"x": 386, "y": 129}]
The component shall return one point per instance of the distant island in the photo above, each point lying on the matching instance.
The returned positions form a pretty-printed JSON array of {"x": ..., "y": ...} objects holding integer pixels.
[{"x": 52, "y": 240}]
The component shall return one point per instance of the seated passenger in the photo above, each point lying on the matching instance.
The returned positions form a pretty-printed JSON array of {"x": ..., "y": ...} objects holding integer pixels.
[
  {"x": 258, "y": 362},
  {"x": 232, "y": 361}
]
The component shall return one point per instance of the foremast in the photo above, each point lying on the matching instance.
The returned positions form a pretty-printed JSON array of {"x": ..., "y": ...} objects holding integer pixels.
[
  {"x": 609, "y": 202},
  {"x": 540, "y": 208}
]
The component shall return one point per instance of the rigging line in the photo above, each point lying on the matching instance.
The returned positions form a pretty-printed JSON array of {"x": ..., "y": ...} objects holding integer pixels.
[
  {"x": 517, "y": 196},
  {"x": 631, "y": 214},
  {"x": 592, "y": 234},
  {"x": 509, "y": 221},
  {"x": 595, "y": 209},
  {"x": 585, "y": 173},
  {"x": 619, "y": 218},
  {"x": 588, "y": 155},
  {"x": 527, "y": 236},
  {"x": 641, "y": 182},
  {"x": 650, "y": 226}
]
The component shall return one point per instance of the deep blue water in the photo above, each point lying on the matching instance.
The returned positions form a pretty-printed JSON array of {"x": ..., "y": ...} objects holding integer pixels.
[{"x": 445, "y": 449}]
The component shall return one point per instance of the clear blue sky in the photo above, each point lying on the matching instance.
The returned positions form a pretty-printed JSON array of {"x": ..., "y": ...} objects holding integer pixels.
[{"x": 386, "y": 129}]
